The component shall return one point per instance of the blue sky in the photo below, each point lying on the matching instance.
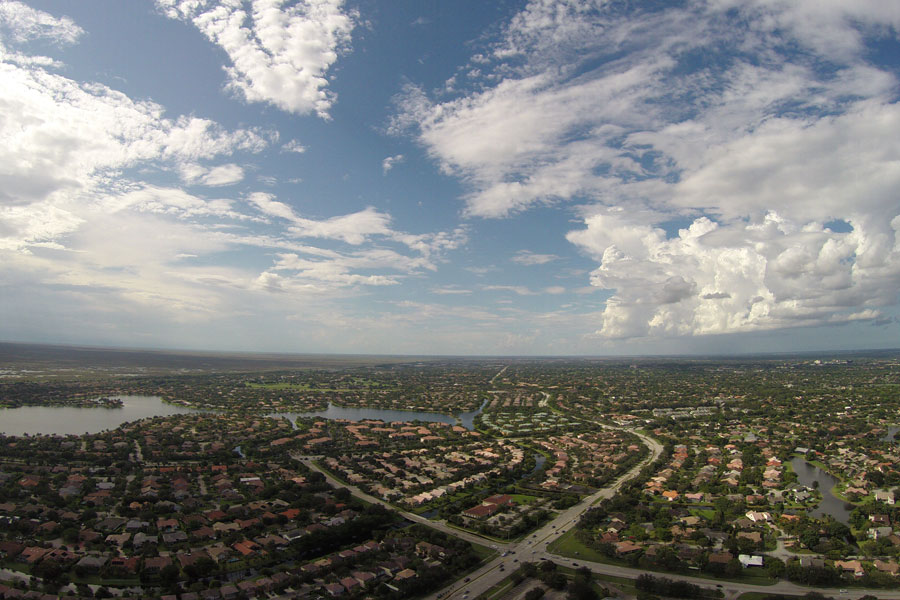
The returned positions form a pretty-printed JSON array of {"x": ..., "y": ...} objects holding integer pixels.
[{"x": 429, "y": 177}]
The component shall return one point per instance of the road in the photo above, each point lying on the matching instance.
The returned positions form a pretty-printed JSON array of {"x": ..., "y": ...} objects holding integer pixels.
[
  {"x": 534, "y": 548},
  {"x": 309, "y": 461},
  {"x": 730, "y": 589}
]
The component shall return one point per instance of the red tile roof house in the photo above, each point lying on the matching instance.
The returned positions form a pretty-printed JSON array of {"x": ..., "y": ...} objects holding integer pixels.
[
  {"x": 167, "y": 525},
  {"x": 887, "y": 567},
  {"x": 850, "y": 566},
  {"x": 248, "y": 588},
  {"x": 32, "y": 554},
  {"x": 156, "y": 564},
  {"x": 364, "y": 577},
  {"x": 489, "y": 506},
  {"x": 248, "y": 548},
  {"x": 350, "y": 584},
  {"x": 626, "y": 547},
  {"x": 10, "y": 549},
  {"x": 481, "y": 511},
  {"x": 123, "y": 565},
  {"x": 334, "y": 589}
]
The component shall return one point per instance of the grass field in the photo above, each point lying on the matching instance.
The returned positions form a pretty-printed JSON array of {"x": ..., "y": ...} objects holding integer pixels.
[{"x": 568, "y": 545}]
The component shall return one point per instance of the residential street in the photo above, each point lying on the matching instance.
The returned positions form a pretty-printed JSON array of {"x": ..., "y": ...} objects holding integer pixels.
[{"x": 534, "y": 547}]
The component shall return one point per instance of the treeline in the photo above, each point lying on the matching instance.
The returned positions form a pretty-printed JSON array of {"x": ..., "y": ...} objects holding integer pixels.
[{"x": 672, "y": 588}]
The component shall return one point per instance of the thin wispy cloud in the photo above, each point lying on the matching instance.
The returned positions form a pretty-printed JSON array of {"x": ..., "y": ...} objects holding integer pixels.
[
  {"x": 527, "y": 258},
  {"x": 388, "y": 163}
]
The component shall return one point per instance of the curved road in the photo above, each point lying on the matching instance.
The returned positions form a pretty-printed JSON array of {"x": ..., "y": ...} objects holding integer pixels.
[
  {"x": 309, "y": 461},
  {"x": 534, "y": 548}
]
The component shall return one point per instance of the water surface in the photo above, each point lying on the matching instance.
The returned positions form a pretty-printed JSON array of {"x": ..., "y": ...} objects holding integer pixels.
[
  {"x": 74, "y": 420},
  {"x": 830, "y": 504}
]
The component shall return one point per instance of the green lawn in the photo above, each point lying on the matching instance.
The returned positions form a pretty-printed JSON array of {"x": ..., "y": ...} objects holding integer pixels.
[
  {"x": 484, "y": 552},
  {"x": 569, "y": 546},
  {"x": 705, "y": 513},
  {"x": 498, "y": 590},
  {"x": 761, "y": 595}
]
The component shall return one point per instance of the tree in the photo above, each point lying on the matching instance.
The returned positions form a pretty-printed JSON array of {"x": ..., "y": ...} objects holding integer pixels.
[
  {"x": 169, "y": 574},
  {"x": 580, "y": 589},
  {"x": 774, "y": 566},
  {"x": 48, "y": 570},
  {"x": 733, "y": 568},
  {"x": 534, "y": 593}
]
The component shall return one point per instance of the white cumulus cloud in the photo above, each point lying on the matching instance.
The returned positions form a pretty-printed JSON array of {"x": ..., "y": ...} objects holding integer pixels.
[
  {"x": 758, "y": 122},
  {"x": 280, "y": 51},
  {"x": 20, "y": 23}
]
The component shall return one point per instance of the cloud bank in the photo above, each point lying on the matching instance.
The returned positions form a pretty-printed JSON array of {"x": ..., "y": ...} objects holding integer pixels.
[{"x": 751, "y": 125}]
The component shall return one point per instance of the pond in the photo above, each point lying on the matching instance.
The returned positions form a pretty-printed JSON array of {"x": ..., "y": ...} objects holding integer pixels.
[
  {"x": 333, "y": 411},
  {"x": 830, "y": 504},
  {"x": 539, "y": 460},
  {"x": 74, "y": 420}
]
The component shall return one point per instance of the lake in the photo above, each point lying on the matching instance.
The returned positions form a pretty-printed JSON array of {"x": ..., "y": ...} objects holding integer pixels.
[
  {"x": 73, "y": 420},
  {"x": 333, "y": 411},
  {"x": 830, "y": 504}
]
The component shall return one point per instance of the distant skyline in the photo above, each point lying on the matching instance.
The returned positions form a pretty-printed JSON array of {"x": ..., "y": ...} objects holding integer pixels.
[{"x": 451, "y": 178}]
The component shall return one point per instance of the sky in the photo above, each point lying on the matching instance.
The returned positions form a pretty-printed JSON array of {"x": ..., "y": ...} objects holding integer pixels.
[{"x": 451, "y": 177}]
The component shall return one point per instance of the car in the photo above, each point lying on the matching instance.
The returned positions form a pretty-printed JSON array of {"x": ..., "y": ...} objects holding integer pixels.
[{"x": 467, "y": 579}]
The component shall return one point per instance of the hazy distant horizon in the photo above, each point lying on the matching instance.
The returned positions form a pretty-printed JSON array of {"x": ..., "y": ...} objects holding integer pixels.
[{"x": 9, "y": 349}]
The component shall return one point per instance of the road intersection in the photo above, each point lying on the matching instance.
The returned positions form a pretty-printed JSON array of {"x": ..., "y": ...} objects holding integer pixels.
[{"x": 534, "y": 548}]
